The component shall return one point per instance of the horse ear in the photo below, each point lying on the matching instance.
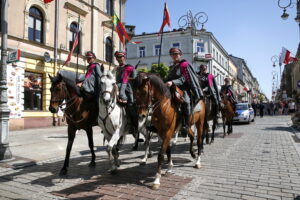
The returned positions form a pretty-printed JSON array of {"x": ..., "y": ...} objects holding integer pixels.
[{"x": 51, "y": 78}]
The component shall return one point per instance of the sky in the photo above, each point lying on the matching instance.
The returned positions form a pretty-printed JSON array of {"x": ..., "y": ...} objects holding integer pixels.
[{"x": 249, "y": 29}]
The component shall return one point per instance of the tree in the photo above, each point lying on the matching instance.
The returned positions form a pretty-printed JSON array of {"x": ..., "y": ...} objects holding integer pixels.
[
  {"x": 143, "y": 69},
  {"x": 162, "y": 70}
]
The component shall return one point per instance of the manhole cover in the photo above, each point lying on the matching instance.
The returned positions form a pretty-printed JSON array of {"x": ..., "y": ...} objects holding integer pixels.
[
  {"x": 266, "y": 152},
  {"x": 267, "y": 143}
]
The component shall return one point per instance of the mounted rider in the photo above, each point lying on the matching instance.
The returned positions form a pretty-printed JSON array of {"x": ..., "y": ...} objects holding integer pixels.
[
  {"x": 89, "y": 85},
  {"x": 123, "y": 73},
  {"x": 182, "y": 74},
  {"x": 229, "y": 91},
  {"x": 209, "y": 86}
]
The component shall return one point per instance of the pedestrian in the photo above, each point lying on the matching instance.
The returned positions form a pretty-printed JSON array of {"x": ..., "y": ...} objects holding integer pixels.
[
  {"x": 261, "y": 109},
  {"x": 268, "y": 108},
  {"x": 254, "y": 106},
  {"x": 291, "y": 107},
  {"x": 272, "y": 108}
]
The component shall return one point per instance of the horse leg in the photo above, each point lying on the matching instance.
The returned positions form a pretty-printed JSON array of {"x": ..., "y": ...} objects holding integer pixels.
[
  {"x": 224, "y": 127},
  {"x": 89, "y": 132},
  {"x": 136, "y": 142},
  {"x": 191, "y": 135},
  {"x": 170, "y": 162},
  {"x": 206, "y": 132},
  {"x": 199, "y": 144},
  {"x": 160, "y": 158},
  {"x": 114, "y": 139},
  {"x": 213, "y": 130},
  {"x": 71, "y": 136},
  {"x": 147, "y": 144}
]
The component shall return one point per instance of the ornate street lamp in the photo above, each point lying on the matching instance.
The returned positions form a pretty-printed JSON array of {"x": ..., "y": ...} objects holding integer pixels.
[
  {"x": 274, "y": 59},
  {"x": 190, "y": 20},
  {"x": 290, "y": 4}
]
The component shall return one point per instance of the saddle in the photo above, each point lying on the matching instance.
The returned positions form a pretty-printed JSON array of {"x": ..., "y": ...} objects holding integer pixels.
[{"x": 177, "y": 94}]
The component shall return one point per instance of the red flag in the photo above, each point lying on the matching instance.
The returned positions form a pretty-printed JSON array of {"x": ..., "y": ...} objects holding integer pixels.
[
  {"x": 286, "y": 57},
  {"x": 121, "y": 30},
  {"x": 47, "y": 1},
  {"x": 166, "y": 19},
  {"x": 75, "y": 43}
]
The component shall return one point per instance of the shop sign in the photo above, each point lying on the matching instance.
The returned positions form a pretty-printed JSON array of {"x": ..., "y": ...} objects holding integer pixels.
[{"x": 13, "y": 56}]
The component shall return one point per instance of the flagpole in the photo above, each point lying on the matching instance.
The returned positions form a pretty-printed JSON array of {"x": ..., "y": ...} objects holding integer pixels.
[
  {"x": 161, "y": 37},
  {"x": 78, "y": 47},
  {"x": 56, "y": 34}
]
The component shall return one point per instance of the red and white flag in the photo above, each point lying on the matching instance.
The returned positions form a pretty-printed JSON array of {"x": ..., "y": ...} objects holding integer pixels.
[
  {"x": 47, "y": 1},
  {"x": 75, "y": 43},
  {"x": 166, "y": 19},
  {"x": 285, "y": 57}
]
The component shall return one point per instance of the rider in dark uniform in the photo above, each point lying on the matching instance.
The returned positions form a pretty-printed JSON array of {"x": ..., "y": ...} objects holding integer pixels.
[
  {"x": 208, "y": 83},
  {"x": 182, "y": 74},
  {"x": 123, "y": 73},
  {"x": 229, "y": 91},
  {"x": 89, "y": 85}
]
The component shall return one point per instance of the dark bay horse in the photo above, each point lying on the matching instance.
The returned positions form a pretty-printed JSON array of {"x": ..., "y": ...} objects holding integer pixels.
[
  {"x": 79, "y": 113},
  {"x": 210, "y": 114},
  {"x": 227, "y": 110},
  {"x": 152, "y": 93}
]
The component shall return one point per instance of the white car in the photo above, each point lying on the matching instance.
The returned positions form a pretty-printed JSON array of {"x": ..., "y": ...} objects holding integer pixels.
[{"x": 243, "y": 113}]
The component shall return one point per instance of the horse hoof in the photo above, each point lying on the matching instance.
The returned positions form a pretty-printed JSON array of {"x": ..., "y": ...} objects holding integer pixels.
[
  {"x": 134, "y": 148},
  {"x": 113, "y": 171},
  {"x": 92, "y": 164},
  {"x": 193, "y": 155},
  {"x": 63, "y": 172},
  {"x": 150, "y": 155},
  {"x": 155, "y": 186},
  {"x": 143, "y": 163},
  {"x": 211, "y": 142},
  {"x": 197, "y": 166}
]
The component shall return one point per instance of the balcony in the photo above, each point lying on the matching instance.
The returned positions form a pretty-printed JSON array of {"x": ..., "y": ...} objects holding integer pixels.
[{"x": 202, "y": 56}]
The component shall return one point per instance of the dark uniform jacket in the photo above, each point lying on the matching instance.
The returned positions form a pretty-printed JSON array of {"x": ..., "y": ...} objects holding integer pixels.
[
  {"x": 184, "y": 76},
  {"x": 208, "y": 80},
  {"x": 229, "y": 90},
  {"x": 91, "y": 82}
]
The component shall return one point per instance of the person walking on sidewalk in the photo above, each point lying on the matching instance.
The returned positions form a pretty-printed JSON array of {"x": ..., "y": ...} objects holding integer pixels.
[{"x": 261, "y": 109}]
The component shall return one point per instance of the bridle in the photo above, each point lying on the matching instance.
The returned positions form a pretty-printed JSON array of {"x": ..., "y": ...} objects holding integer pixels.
[{"x": 69, "y": 100}]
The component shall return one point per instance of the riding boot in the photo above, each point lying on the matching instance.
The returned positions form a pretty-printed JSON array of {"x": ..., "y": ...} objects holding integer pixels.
[{"x": 185, "y": 124}]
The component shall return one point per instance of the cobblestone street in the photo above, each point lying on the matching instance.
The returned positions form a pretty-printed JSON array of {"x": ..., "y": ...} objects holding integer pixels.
[{"x": 258, "y": 161}]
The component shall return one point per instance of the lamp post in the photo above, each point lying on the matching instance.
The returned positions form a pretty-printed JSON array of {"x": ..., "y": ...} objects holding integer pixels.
[
  {"x": 289, "y": 4},
  {"x": 4, "y": 110},
  {"x": 274, "y": 59}
]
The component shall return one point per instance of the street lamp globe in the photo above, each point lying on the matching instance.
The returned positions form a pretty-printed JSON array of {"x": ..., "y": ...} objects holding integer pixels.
[{"x": 284, "y": 16}]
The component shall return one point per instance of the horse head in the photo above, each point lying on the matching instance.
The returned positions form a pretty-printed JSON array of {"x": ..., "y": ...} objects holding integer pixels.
[
  {"x": 108, "y": 86},
  {"x": 58, "y": 92},
  {"x": 142, "y": 92}
]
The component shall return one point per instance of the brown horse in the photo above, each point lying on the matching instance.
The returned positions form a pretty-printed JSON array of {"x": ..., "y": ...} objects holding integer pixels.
[
  {"x": 79, "y": 113},
  {"x": 152, "y": 93},
  {"x": 210, "y": 114},
  {"x": 227, "y": 110}
]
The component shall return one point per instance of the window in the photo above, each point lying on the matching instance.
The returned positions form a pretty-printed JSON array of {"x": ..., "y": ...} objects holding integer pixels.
[
  {"x": 35, "y": 28},
  {"x": 200, "y": 47},
  {"x": 142, "y": 52},
  {"x": 74, "y": 28},
  {"x": 214, "y": 53},
  {"x": 176, "y": 45},
  {"x": 108, "y": 50},
  {"x": 33, "y": 86},
  {"x": 109, "y": 7},
  {"x": 156, "y": 49},
  {"x": 217, "y": 58}
]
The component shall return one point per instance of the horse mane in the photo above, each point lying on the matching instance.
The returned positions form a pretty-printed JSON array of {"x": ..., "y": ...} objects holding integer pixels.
[
  {"x": 156, "y": 81},
  {"x": 68, "y": 77}
]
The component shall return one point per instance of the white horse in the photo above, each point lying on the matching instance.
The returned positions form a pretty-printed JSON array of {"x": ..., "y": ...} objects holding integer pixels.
[{"x": 111, "y": 117}]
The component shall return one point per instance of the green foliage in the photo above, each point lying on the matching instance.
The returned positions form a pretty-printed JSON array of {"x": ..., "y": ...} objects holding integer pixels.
[
  {"x": 162, "y": 70},
  {"x": 143, "y": 69}
]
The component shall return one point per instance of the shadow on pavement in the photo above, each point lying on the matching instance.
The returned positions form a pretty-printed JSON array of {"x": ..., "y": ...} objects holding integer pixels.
[{"x": 279, "y": 128}]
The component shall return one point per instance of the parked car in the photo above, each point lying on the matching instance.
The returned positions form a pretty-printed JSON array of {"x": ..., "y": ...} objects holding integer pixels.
[{"x": 243, "y": 113}]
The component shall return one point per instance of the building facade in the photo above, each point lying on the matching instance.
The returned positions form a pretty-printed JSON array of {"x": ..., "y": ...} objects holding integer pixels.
[
  {"x": 198, "y": 47},
  {"x": 31, "y": 25}
]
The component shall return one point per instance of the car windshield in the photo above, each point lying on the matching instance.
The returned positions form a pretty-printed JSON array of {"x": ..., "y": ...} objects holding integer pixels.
[{"x": 241, "y": 107}]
